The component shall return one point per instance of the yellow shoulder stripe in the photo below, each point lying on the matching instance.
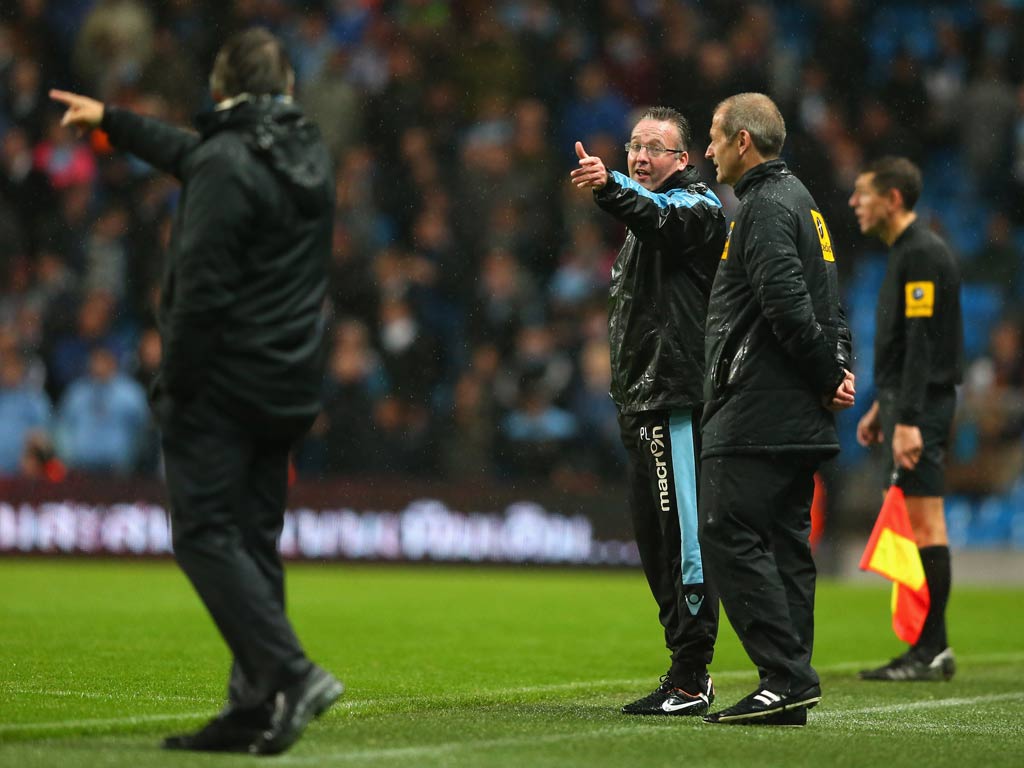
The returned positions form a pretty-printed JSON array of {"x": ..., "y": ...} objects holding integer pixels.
[{"x": 823, "y": 236}]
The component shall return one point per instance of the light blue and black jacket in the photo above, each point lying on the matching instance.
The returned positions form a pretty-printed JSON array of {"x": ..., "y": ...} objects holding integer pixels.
[{"x": 660, "y": 284}]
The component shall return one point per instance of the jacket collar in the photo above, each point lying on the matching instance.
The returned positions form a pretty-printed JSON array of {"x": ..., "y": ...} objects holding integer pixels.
[
  {"x": 244, "y": 111},
  {"x": 680, "y": 179},
  {"x": 759, "y": 173}
]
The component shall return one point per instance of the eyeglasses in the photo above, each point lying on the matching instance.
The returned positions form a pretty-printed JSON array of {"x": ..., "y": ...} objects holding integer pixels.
[{"x": 633, "y": 148}]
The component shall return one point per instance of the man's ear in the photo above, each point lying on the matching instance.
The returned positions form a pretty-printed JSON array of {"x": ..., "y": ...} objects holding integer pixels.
[
  {"x": 744, "y": 143},
  {"x": 895, "y": 199}
]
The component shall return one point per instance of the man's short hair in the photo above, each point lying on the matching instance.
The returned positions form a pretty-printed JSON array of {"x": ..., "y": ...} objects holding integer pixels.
[
  {"x": 674, "y": 116},
  {"x": 757, "y": 115},
  {"x": 899, "y": 173},
  {"x": 253, "y": 61}
]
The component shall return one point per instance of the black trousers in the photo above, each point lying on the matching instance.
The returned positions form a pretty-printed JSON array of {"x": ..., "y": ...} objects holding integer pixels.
[
  {"x": 227, "y": 491},
  {"x": 663, "y": 447},
  {"x": 755, "y": 514}
]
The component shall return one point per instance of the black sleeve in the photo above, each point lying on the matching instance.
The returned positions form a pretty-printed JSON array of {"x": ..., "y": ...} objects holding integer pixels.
[
  {"x": 162, "y": 146},
  {"x": 216, "y": 216},
  {"x": 921, "y": 281},
  {"x": 845, "y": 345},
  {"x": 653, "y": 215},
  {"x": 775, "y": 271}
]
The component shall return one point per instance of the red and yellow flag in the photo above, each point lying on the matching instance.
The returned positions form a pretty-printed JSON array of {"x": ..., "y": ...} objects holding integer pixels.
[{"x": 892, "y": 552}]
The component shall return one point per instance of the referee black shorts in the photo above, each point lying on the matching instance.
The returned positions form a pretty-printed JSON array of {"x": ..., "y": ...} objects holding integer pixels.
[{"x": 935, "y": 423}]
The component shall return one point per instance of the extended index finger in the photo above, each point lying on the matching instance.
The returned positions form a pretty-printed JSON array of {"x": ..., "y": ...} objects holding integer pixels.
[{"x": 65, "y": 97}]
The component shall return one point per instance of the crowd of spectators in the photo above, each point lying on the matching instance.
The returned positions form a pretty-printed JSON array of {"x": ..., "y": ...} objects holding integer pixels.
[{"x": 468, "y": 278}]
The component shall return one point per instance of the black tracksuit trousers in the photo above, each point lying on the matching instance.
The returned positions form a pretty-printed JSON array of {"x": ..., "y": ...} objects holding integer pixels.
[
  {"x": 663, "y": 448},
  {"x": 227, "y": 491},
  {"x": 755, "y": 515}
]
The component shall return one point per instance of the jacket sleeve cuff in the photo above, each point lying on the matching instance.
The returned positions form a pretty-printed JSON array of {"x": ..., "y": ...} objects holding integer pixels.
[
  {"x": 610, "y": 188},
  {"x": 836, "y": 380},
  {"x": 908, "y": 416},
  {"x": 109, "y": 122}
]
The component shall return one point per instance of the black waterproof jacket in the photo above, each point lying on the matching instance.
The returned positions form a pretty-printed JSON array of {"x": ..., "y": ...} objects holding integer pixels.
[
  {"x": 777, "y": 340},
  {"x": 660, "y": 285},
  {"x": 241, "y": 300},
  {"x": 919, "y": 336}
]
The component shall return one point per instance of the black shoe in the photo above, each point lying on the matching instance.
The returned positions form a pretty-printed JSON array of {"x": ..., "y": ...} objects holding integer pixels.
[
  {"x": 765, "y": 707},
  {"x": 294, "y": 709},
  {"x": 913, "y": 665},
  {"x": 691, "y": 696},
  {"x": 231, "y": 731},
  {"x": 792, "y": 718},
  {"x": 651, "y": 703}
]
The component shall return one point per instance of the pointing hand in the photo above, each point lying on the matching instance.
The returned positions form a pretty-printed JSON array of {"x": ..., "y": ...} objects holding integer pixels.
[
  {"x": 591, "y": 172},
  {"x": 82, "y": 112}
]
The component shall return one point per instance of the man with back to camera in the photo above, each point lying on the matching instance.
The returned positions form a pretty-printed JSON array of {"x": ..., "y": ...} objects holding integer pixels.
[
  {"x": 919, "y": 360},
  {"x": 657, "y": 304},
  {"x": 239, "y": 382},
  {"x": 778, "y": 354}
]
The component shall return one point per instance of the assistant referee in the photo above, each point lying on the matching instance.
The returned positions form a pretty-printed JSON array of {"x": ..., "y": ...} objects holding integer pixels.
[{"x": 919, "y": 360}]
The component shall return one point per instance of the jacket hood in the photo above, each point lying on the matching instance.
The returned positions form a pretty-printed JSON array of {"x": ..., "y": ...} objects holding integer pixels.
[{"x": 275, "y": 129}]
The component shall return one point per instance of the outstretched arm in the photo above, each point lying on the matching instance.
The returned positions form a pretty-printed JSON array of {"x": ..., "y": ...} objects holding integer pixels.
[
  {"x": 680, "y": 215},
  {"x": 159, "y": 144}
]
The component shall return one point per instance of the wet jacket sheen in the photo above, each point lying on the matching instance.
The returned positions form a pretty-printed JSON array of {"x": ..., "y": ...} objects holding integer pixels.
[
  {"x": 777, "y": 340},
  {"x": 659, "y": 290},
  {"x": 243, "y": 287}
]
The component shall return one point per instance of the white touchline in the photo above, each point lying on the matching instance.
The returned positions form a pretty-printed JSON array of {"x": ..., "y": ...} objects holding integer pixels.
[
  {"x": 928, "y": 704},
  {"x": 99, "y": 722},
  {"x": 454, "y": 746},
  {"x": 824, "y": 718},
  {"x": 352, "y": 704},
  {"x": 104, "y": 696}
]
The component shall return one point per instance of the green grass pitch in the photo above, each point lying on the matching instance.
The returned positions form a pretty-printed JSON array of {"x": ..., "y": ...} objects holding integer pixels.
[{"x": 478, "y": 667}]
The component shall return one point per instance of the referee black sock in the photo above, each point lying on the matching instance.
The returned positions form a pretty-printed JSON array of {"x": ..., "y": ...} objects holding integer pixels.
[{"x": 938, "y": 573}]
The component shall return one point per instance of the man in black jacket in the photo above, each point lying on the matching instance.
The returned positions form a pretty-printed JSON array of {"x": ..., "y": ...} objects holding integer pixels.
[
  {"x": 656, "y": 309},
  {"x": 777, "y": 353},
  {"x": 919, "y": 360},
  {"x": 241, "y": 327}
]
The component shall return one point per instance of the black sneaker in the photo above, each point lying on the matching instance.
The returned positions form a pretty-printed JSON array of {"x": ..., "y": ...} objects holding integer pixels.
[
  {"x": 294, "y": 709},
  {"x": 651, "y": 703},
  {"x": 911, "y": 667},
  {"x": 765, "y": 707},
  {"x": 692, "y": 696},
  {"x": 231, "y": 731}
]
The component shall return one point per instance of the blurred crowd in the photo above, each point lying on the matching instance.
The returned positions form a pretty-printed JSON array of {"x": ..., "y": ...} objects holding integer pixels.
[{"x": 468, "y": 278}]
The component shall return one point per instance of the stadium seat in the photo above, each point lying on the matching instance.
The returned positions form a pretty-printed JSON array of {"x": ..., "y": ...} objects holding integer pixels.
[{"x": 981, "y": 306}]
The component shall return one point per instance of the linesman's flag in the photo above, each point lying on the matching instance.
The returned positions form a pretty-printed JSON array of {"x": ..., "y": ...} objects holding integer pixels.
[{"x": 892, "y": 552}]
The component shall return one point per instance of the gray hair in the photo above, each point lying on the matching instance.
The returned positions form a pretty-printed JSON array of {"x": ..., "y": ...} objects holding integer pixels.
[{"x": 757, "y": 115}]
